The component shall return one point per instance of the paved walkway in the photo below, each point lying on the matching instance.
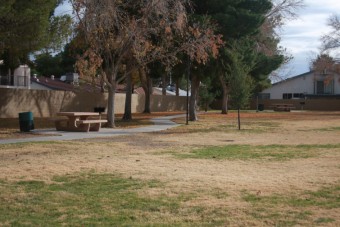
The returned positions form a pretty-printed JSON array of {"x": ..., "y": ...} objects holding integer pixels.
[{"x": 160, "y": 123}]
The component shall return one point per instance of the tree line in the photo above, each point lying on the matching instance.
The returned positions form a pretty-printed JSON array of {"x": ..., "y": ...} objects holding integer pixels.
[{"x": 225, "y": 47}]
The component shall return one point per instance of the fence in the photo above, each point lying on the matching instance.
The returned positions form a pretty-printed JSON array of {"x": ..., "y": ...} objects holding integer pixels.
[
  {"x": 46, "y": 103},
  {"x": 18, "y": 81},
  {"x": 319, "y": 104}
]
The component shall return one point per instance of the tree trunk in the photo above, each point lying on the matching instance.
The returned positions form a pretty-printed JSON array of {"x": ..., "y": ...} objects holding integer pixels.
[
  {"x": 102, "y": 82},
  {"x": 224, "y": 96},
  {"x": 110, "y": 75},
  {"x": 111, "y": 106},
  {"x": 128, "y": 96},
  {"x": 193, "y": 98},
  {"x": 147, "y": 108},
  {"x": 239, "y": 119},
  {"x": 163, "y": 84},
  {"x": 147, "y": 87},
  {"x": 177, "y": 86}
]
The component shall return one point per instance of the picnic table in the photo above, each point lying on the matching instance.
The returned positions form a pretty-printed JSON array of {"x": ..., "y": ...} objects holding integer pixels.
[
  {"x": 283, "y": 107},
  {"x": 79, "y": 122}
]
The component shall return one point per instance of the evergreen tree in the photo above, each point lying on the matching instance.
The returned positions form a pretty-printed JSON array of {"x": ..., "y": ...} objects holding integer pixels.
[
  {"x": 25, "y": 28},
  {"x": 251, "y": 24}
]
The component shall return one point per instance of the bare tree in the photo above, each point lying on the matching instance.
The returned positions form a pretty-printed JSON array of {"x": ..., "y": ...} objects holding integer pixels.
[
  {"x": 281, "y": 12},
  {"x": 143, "y": 30},
  {"x": 284, "y": 10},
  {"x": 267, "y": 41},
  {"x": 105, "y": 27},
  {"x": 331, "y": 41}
]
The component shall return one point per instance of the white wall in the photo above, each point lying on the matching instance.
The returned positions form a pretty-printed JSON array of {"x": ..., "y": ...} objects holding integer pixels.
[
  {"x": 300, "y": 84},
  {"x": 22, "y": 76},
  {"x": 337, "y": 84}
]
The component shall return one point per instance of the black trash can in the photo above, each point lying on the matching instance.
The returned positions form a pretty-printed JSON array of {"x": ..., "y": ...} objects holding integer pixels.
[
  {"x": 26, "y": 121},
  {"x": 260, "y": 107}
]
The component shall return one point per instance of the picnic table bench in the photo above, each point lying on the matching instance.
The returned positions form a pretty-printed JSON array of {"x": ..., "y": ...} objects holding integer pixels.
[
  {"x": 283, "y": 107},
  {"x": 78, "y": 122}
]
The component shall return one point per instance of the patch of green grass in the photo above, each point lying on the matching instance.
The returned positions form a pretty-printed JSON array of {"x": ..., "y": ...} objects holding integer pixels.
[
  {"x": 292, "y": 210},
  {"x": 100, "y": 199},
  {"x": 327, "y": 197},
  {"x": 275, "y": 217},
  {"x": 245, "y": 152},
  {"x": 12, "y": 146},
  {"x": 329, "y": 129},
  {"x": 199, "y": 128},
  {"x": 248, "y": 127},
  {"x": 324, "y": 220}
]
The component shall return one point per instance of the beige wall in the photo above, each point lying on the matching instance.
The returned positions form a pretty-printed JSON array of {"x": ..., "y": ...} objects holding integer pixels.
[{"x": 44, "y": 103}]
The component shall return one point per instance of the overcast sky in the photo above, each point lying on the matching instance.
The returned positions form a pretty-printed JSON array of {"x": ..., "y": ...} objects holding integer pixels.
[{"x": 301, "y": 37}]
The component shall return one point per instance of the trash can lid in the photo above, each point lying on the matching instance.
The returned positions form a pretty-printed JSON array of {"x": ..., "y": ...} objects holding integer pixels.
[{"x": 26, "y": 116}]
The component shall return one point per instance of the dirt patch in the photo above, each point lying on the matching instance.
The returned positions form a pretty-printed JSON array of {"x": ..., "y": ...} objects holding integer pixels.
[{"x": 135, "y": 155}]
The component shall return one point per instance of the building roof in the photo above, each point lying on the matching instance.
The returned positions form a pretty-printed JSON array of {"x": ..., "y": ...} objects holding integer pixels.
[
  {"x": 54, "y": 84},
  {"x": 293, "y": 78}
]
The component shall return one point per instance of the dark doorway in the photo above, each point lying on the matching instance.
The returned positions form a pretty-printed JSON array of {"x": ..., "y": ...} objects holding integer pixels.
[{"x": 320, "y": 87}]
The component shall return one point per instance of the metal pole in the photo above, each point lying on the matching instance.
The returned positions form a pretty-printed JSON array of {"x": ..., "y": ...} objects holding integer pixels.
[{"x": 188, "y": 77}]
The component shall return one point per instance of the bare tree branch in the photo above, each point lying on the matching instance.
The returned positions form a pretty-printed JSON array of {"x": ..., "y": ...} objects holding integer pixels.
[
  {"x": 285, "y": 10},
  {"x": 331, "y": 41},
  {"x": 139, "y": 31}
]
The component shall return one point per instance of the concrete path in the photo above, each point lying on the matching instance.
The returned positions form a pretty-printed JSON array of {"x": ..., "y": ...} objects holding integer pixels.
[{"x": 160, "y": 123}]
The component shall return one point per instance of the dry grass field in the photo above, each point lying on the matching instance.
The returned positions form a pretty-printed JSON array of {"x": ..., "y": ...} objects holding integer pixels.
[{"x": 280, "y": 169}]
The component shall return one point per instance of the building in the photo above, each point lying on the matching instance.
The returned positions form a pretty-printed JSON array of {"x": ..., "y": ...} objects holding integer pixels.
[
  {"x": 21, "y": 78},
  {"x": 307, "y": 85}
]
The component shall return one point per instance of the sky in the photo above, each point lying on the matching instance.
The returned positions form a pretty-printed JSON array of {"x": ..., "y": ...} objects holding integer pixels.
[{"x": 300, "y": 37}]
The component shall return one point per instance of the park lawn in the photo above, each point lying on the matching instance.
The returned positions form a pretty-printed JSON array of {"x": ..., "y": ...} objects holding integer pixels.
[
  {"x": 109, "y": 199},
  {"x": 277, "y": 171},
  {"x": 100, "y": 199}
]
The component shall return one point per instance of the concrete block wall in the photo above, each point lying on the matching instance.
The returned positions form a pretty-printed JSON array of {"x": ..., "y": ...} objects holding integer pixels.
[{"x": 46, "y": 103}]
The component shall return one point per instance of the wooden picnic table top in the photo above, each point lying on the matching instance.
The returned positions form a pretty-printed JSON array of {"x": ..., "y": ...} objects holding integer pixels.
[
  {"x": 78, "y": 122},
  {"x": 77, "y": 114}
]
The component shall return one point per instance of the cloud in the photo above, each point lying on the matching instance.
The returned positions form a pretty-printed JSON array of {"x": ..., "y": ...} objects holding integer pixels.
[{"x": 301, "y": 37}]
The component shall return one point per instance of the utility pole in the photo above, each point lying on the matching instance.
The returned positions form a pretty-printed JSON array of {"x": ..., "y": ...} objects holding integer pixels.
[{"x": 188, "y": 77}]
